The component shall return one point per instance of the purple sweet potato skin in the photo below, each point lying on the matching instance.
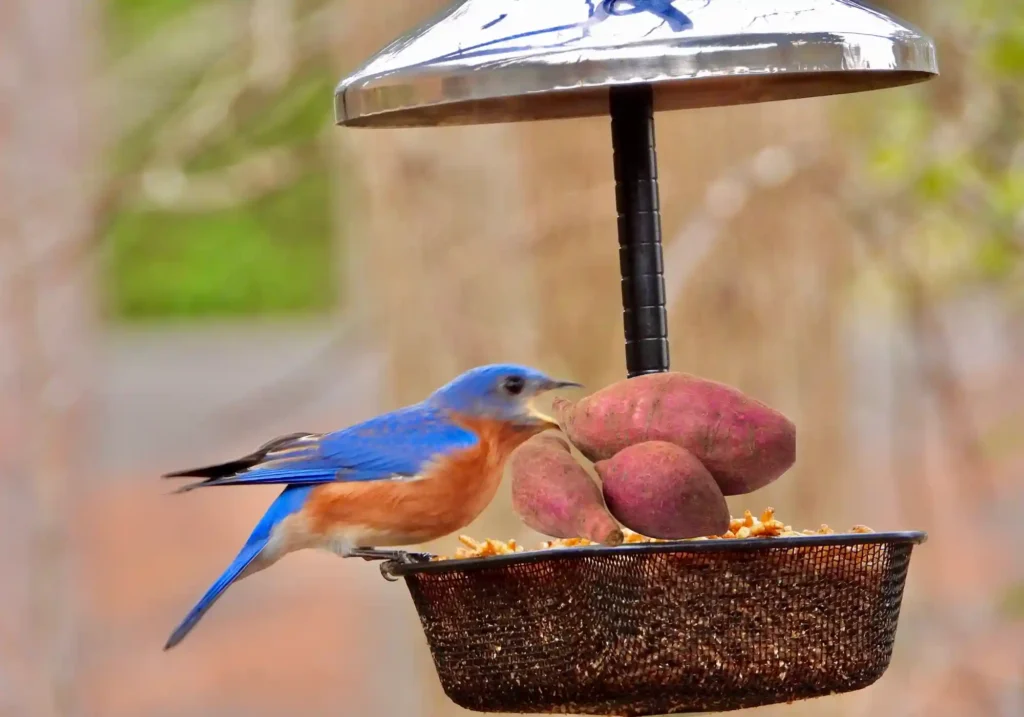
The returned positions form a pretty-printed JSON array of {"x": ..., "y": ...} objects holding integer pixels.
[
  {"x": 663, "y": 491},
  {"x": 742, "y": 442},
  {"x": 554, "y": 495}
]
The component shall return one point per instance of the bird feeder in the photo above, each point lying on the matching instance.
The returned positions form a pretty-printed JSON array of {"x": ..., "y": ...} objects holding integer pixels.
[{"x": 487, "y": 61}]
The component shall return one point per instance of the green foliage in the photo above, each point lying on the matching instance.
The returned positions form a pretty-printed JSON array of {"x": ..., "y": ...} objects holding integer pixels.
[
  {"x": 299, "y": 113},
  {"x": 948, "y": 155},
  {"x": 1005, "y": 54},
  {"x": 266, "y": 258},
  {"x": 129, "y": 22},
  {"x": 271, "y": 254},
  {"x": 1013, "y": 602}
]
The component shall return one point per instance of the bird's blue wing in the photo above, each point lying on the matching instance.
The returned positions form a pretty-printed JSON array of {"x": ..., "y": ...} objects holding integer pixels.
[
  {"x": 392, "y": 446},
  {"x": 398, "y": 443}
]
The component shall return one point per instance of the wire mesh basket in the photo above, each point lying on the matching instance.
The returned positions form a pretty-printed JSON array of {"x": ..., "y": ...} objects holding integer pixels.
[{"x": 663, "y": 628}]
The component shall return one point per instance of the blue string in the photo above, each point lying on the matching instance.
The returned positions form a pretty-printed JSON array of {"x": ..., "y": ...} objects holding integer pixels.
[
  {"x": 664, "y": 9},
  {"x": 495, "y": 21},
  {"x": 477, "y": 49}
]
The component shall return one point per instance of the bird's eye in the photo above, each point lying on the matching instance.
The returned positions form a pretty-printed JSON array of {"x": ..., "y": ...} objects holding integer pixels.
[{"x": 514, "y": 385}]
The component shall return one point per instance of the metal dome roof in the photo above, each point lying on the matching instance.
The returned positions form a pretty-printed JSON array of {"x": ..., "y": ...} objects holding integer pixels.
[{"x": 507, "y": 60}]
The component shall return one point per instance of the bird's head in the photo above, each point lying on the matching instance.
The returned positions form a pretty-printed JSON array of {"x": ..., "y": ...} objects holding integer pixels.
[{"x": 500, "y": 392}]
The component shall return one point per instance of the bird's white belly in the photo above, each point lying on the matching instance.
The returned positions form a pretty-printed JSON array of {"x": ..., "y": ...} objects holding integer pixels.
[{"x": 342, "y": 541}]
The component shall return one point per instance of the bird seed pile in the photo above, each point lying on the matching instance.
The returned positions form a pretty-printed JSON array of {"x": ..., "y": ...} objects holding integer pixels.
[{"x": 749, "y": 526}]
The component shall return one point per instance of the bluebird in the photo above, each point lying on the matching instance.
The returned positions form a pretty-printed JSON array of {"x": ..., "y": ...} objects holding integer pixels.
[{"x": 410, "y": 476}]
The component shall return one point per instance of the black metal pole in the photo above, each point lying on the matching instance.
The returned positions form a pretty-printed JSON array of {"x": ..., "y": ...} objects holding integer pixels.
[{"x": 640, "y": 258}]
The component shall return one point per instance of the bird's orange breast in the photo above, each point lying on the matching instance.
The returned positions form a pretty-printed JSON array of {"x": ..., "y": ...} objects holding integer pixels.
[{"x": 449, "y": 495}]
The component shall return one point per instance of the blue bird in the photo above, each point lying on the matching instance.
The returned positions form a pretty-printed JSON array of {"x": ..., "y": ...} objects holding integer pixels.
[{"x": 410, "y": 476}]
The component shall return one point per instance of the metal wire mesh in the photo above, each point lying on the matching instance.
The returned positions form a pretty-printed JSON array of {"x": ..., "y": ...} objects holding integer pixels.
[{"x": 663, "y": 628}]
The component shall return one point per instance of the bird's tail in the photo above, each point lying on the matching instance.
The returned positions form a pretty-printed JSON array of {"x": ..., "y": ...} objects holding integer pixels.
[
  {"x": 290, "y": 501},
  {"x": 249, "y": 553}
]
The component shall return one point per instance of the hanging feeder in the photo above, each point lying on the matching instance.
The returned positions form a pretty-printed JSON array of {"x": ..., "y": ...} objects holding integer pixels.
[{"x": 667, "y": 627}]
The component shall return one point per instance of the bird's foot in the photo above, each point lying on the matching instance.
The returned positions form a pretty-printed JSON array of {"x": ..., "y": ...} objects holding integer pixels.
[
  {"x": 389, "y": 558},
  {"x": 398, "y": 556}
]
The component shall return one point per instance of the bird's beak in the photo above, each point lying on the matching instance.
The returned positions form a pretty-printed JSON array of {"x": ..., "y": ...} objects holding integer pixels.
[{"x": 551, "y": 385}]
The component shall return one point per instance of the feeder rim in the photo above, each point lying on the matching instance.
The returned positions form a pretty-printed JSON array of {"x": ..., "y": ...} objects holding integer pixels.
[{"x": 696, "y": 547}]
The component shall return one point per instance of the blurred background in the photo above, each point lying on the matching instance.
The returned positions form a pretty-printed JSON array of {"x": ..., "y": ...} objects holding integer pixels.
[{"x": 194, "y": 259}]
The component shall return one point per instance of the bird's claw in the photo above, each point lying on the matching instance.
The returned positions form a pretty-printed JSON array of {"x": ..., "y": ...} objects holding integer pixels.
[
  {"x": 398, "y": 556},
  {"x": 389, "y": 558}
]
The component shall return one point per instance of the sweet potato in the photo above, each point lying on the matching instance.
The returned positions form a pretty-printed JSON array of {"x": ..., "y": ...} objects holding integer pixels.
[
  {"x": 663, "y": 491},
  {"x": 554, "y": 495},
  {"x": 743, "y": 443}
]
